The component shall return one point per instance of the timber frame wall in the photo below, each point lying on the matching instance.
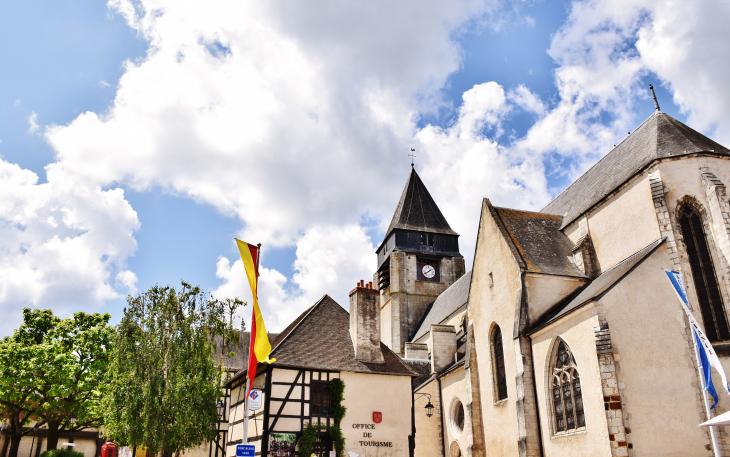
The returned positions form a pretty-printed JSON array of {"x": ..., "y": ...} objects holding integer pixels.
[{"x": 286, "y": 403}]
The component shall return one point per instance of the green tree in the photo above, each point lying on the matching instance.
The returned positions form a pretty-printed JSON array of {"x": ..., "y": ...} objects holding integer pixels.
[
  {"x": 165, "y": 383},
  {"x": 51, "y": 369}
]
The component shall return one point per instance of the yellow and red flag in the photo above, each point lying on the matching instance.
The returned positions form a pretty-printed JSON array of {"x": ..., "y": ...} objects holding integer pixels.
[{"x": 259, "y": 348}]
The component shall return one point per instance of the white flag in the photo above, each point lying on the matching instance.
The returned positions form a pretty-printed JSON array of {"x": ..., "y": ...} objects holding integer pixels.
[{"x": 675, "y": 278}]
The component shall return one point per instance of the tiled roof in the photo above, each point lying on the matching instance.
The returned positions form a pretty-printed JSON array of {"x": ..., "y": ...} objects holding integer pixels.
[
  {"x": 658, "y": 137},
  {"x": 541, "y": 245},
  {"x": 240, "y": 359},
  {"x": 601, "y": 284},
  {"x": 420, "y": 366},
  {"x": 320, "y": 339},
  {"x": 417, "y": 211},
  {"x": 445, "y": 305}
]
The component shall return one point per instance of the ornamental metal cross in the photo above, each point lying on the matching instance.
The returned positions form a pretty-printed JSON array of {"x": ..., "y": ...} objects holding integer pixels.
[{"x": 412, "y": 156}]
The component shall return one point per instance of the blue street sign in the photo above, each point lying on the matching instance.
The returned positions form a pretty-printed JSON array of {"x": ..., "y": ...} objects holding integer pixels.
[{"x": 245, "y": 450}]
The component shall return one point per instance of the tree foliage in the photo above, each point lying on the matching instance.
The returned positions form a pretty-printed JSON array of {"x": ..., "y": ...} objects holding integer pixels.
[
  {"x": 165, "y": 383},
  {"x": 52, "y": 369}
]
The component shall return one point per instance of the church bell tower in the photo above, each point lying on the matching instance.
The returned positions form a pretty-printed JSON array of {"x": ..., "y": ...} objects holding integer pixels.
[{"x": 418, "y": 259}]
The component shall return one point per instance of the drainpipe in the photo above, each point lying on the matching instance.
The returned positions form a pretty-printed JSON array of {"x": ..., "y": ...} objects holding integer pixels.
[
  {"x": 443, "y": 425},
  {"x": 412, "y": 438}
]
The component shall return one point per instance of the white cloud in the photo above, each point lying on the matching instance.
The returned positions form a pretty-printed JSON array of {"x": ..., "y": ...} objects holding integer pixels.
[
  {"x": 17, "y": 103},
  {"x": 330, "y": 260},
  {"x": 297, "y": 118},
  {"x": 59, "y": 243},
  {"x": 33, "y": 122}
]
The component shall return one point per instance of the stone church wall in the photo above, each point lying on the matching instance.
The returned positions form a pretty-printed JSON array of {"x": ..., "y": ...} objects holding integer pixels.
[
  {"x": 545, "y": 291},
  {"x": 453, "y": 386},
  {"x": 657, "y": 378},
  {"x": 622, "y": 225},
  {"x": 428, "y": 429},
  {"x": 489, "y": 306},
  {"x": 577, "y": 331}
]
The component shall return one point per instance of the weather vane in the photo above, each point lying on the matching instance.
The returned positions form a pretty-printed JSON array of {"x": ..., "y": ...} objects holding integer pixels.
[{"x": 412, "y": 156}]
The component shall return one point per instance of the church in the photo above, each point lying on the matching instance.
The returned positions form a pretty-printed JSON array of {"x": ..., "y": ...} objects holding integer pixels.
[{"x": 566, "y": 338}]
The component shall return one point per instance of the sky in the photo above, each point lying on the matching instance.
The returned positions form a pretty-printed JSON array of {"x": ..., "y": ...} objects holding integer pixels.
[{"x": 139, "y": 137}]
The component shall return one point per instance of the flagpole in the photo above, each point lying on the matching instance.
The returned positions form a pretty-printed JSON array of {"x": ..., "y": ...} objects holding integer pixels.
[
  {"x": 708, "y": 411},
  {"x": 248, "y": 380}
]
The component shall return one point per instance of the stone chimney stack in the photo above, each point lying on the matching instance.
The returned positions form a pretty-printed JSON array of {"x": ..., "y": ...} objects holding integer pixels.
[
  {"x": 416, "y": 351},
  {"x": 443, "y": 346},
  {"x": 365, "y": 322}
]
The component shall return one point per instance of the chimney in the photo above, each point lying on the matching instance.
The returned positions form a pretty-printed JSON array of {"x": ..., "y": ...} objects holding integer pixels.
[
  {"x": 443, "y": 346},
  {"x": 365, "y": 322},
  {"x": 416, "y": 351}
]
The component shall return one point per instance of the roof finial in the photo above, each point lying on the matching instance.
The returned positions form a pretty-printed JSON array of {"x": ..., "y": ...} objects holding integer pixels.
[
  {"x": 656, "y": 103},
  {"x": 412, "y": 156}
]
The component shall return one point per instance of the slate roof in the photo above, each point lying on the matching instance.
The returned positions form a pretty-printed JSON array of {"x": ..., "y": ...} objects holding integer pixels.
[
  {"x": 657, "y": 137},
  {"x": 445, "y": 305},
  {"x": 541, "y": 245},
  {"x": 320, "y": 339},
  {"x": 240, "y": 360},
  {"x": 420, "y": 366},
  {"x": 601, "y": 284},
  {"x": 417, "y": 210}
]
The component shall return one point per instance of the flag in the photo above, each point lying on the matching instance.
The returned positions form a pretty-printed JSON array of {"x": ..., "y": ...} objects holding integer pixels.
[
  {"x": 259, "y": 348},
  {"x": 708, "y": 356}
]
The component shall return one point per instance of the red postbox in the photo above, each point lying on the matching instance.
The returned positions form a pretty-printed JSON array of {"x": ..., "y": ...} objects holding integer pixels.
[{"x": 108, "y": 450}]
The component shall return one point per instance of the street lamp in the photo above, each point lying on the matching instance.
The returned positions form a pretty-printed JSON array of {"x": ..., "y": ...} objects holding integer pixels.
[
  {"x": 429, "y": 405},
  {"x": 73, "y": 419},
  {"x": 221, "y": 409}
]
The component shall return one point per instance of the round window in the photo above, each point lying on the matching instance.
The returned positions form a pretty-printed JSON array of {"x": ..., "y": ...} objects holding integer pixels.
[{"x": 457, "y": 416}]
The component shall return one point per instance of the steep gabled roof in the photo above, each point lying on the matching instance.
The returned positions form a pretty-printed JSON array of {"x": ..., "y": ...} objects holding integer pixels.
[
  {"x": 541, "y": 246},
  {"x": 601, "y": 284},
  {"x": 320, "y": 339},
  {"x": 417, "y": 211},
  {"x": 658, "y": 137},
  {"x": 445, "y": 305},
  {"x": 240, "y": 359}
]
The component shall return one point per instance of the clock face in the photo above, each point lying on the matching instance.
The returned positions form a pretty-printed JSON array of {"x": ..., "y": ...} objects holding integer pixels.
[{"x": 428, "y": 271}]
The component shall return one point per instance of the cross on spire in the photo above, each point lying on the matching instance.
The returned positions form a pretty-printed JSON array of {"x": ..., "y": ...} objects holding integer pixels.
[{"x": 412, "y": 156}]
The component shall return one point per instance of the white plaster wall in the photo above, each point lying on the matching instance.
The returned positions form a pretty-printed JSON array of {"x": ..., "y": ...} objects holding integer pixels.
[
  {"x": 389, "y": 395},
  {"x": 545, "y": 291},
  {"x": 453, "y": 386},
  {"x": 427, "y": 437},
  {"x": 488, "y": 305},
  {"x": 656, "y": 376},
  {"x": 623, "y": 224},
  {"x": 577, "y": 331}
]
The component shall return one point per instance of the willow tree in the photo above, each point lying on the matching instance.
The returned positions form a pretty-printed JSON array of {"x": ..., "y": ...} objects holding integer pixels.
[{"x": 165, "y": 383}]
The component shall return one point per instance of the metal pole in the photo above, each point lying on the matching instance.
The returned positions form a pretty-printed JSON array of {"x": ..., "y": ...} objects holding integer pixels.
[
  {"x": 245, "y": 412},
  {"x": 713, "y": 435}
]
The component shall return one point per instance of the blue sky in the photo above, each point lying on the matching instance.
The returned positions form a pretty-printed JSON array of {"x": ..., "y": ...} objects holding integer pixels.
[{"x": 296, "y": 135}]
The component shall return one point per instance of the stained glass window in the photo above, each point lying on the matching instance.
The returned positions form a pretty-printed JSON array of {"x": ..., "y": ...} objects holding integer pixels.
[
  {"x": 703, "y": 274},
  {"x": 567, "y": 396}
]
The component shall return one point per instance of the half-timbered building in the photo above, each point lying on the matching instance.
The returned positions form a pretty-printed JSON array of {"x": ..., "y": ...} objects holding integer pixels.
[{"x": 324, "y": 343}]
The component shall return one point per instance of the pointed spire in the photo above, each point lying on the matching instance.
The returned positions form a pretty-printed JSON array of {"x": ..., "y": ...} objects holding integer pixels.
[{"x": 417, "y": 210}]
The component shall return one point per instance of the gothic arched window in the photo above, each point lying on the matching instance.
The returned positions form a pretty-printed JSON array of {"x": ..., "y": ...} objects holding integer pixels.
[
  {"x": 566, "y": 392},
  {"x": 703, "y": 274},
  {"x": 500, "y": 376}
]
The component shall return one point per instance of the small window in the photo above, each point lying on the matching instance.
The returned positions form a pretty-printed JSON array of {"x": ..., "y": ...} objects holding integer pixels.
[
  {"x": 500, "y": 375},
  {"x": 320, "y": 400},
  {"x": 567, "y": 396},
  {"x": 491, "y": 280}
]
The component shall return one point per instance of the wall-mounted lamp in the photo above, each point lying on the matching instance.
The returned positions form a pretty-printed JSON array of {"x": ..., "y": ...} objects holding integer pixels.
[{"x": 429, "y": 405}]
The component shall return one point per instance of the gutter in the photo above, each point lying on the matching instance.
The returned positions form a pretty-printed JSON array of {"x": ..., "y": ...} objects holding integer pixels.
[{"x": 443, "y": 426}]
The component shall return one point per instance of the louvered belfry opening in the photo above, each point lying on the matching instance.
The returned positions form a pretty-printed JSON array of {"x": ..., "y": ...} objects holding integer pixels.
[{"x": 703, "y": 274}]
